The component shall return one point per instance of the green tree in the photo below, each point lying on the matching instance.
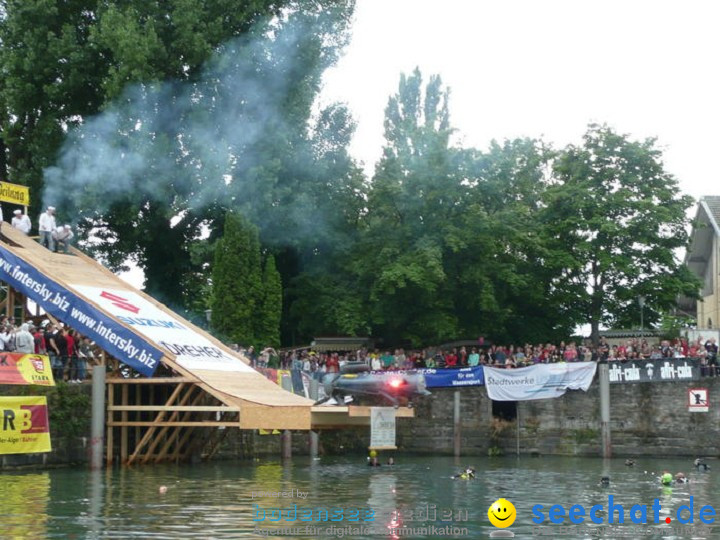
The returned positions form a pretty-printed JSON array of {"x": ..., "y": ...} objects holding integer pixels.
[
  {"x": 450, "y": 246},
  {"x": 413, "y": 206},
  {"x": 269, "y": 309},
  {"x": 614, "y": 221},
  {"x": 63, "y": 62},
  {"x": 237, "y": 285}
]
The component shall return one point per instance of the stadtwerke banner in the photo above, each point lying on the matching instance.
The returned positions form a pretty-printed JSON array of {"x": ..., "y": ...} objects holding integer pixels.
[{"x": 538, "y": 382}]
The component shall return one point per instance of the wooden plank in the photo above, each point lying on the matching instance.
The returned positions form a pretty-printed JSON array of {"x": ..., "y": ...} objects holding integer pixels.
[
  {"x": 164, "y": 429},
  {"x": 139, "y": 416},
  {"x": 178, "y": 423},
  {"x": 149, "y": 433},
  {"x": 357, "y": 410},
  {"x": 175, "y": 436},
  {"x": 179, "y": 408},
  {"x": 154, "y": 380}
]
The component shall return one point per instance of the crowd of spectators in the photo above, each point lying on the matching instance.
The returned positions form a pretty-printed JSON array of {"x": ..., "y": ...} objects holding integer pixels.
[
  {"x": 510, "y": 356},
  {"x": 70, "y": 353}
]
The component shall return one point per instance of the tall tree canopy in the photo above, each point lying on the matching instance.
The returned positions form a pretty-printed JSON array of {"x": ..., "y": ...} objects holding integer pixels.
[
  {"x": 615, "y": 220},
  {"x": 205, "y": 106}
]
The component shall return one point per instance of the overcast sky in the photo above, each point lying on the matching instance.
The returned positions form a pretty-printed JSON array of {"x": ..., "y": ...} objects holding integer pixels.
[{"x": 546, "y": 68}]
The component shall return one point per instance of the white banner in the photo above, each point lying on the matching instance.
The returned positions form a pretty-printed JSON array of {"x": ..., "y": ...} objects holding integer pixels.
[
  {"x": 192, "y": 350},
  {"x": 538, "y": 382},
  {"x": 382, "y": 427}
]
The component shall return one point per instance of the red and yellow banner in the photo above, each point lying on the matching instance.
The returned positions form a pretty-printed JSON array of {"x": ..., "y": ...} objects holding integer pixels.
[
  {"x": 24, "y": 425},
  {"x": 21, "y": 368}
]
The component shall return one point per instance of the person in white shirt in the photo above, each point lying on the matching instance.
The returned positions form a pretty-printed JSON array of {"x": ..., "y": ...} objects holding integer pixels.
[
  {"x": 46, "y": 226},
  {"x": 24, "y": 340},
  {"x": 62, "y": 236},
  {"x": 21, "y": 222}
]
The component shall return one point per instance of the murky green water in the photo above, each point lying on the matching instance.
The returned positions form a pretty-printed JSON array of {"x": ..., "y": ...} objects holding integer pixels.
[{"x": 216, "y": 500}]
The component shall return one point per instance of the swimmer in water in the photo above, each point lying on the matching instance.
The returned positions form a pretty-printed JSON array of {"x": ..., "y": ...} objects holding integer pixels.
[
  {"x": 391, "y": 461},
  {"x": 374, "y": 462},
  {"x": 700, "y": 465},
  {"x": 680, "y": 478},
  {"x": 605, "y": 481},
  {"x": 467, "y": 474},
  {"x": 666, "y": 479}
]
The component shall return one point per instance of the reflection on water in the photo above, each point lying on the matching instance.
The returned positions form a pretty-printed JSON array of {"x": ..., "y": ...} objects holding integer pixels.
[
  {"x": 23, "y": 506},
  {"x": 216, "y": 500}
]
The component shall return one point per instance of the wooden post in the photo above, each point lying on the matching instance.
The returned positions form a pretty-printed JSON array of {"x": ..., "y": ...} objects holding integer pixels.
[
  {"x": 314, "y": 435},
  {"x": 124, "y": 429},
  {"x": 286, "y": 437},
  {"x": 456, "y": 424},
  {"x": 97, "y": 418},
  {"x": 138, "y": 416},
  {"x": 111, "y": 401},
  {"x": 604, "y": 376}
]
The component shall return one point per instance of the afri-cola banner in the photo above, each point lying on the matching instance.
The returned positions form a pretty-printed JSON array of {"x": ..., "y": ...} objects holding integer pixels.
[
  {"x": 538, "y": 382},
  {"x": 664, "y": 370},
  {"x": 21, "y": 368},
  {"x": 24, "y": 425},
  {"x": 79, "y": 314}
]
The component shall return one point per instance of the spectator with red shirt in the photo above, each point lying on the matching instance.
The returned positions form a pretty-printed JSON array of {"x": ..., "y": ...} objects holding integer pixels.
[
  {"x": 39, "y": 339},
  {"x": 451, "y": 359}
]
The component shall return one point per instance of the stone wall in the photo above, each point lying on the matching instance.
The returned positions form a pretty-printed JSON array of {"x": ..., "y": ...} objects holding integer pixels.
[{"x": 649, "y": 419}]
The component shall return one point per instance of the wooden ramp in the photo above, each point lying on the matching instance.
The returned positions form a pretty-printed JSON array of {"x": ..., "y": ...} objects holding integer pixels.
[
  {"x": 256, "y": 401},
  {"x": 195, "y": 387}
]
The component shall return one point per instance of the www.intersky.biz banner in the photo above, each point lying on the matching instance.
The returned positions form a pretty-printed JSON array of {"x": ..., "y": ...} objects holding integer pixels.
[
  {"x": 74, "y": 311},
  {"x": 24, "y": 425}
]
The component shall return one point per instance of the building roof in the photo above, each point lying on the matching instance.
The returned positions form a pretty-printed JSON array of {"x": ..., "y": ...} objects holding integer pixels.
[
  {"x": 705, "y": 226},
  {"x": 712, "y": 204},
  {"x": 347, "y": 343},
  {"x": 620, "y": 333}
]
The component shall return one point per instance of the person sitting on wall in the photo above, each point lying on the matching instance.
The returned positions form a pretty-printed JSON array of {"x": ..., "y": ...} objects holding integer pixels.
[{"x": 62, "y": 236}]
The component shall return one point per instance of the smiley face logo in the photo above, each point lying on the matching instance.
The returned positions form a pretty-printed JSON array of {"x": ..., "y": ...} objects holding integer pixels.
[{"x": 502, "y": 513}]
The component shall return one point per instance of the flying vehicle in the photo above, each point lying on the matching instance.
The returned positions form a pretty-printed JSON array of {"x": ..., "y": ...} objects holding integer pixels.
[{"x": 355, "y": 379}]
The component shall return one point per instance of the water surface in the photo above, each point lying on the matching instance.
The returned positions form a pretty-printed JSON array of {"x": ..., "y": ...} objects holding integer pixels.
[{"x": 215, "y": 500}]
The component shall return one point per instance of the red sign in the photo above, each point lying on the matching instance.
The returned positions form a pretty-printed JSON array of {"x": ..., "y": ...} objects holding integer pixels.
[
  {"x": 120, "y": 302},
  {"x": 698, "y": 400}
]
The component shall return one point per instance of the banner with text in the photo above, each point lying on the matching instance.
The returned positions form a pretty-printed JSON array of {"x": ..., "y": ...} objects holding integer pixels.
[
  {"x": 192, "y": 349},
  {"x": 664, "y": 370},
  {"x": 382, "y": 428},
  {"x": 538, "y": 382},
  {"x": 15, "y": 194},
  {"x": 443, "y": 378},
  {"x": 77, "y": 313},
  {"x": 21, "y": 368},
  {"x": 25, "y": 425}
]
